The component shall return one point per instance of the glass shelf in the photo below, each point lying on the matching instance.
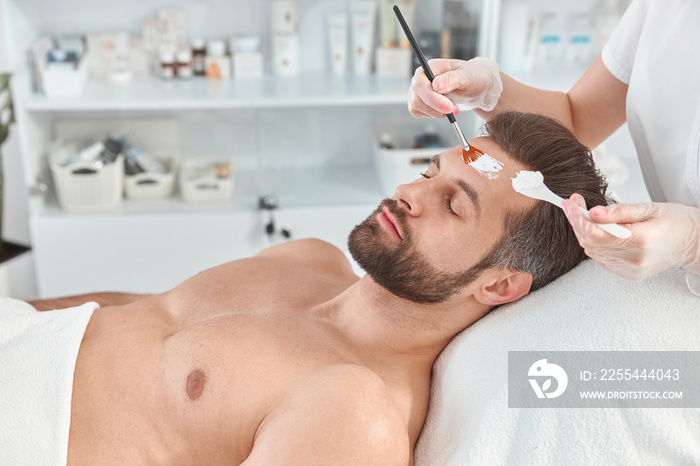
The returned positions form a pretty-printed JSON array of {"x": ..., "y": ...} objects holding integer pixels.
[{"x": 269, "y": 92}]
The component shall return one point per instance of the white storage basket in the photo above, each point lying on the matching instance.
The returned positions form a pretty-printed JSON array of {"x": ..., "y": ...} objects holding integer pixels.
[
  {"x": 200, "y": 187},
  {"x": 152, "y": 185},
  {"x": 97, "y": 191}
]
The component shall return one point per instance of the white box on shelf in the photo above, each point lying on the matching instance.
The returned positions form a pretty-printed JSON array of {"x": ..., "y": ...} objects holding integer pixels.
[
  {"x": 200, "y": 182},
  {"x": 82, "y": 188},
  {"x": 393, "y": 62},
  {"x": 248, "y": 65},
  {"x": 61, "y": 80},
  {"x": 152, "y": 185}
]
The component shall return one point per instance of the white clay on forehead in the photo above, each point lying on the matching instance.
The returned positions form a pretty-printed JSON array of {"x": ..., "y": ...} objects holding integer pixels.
[{"x": 488, "y": 166}]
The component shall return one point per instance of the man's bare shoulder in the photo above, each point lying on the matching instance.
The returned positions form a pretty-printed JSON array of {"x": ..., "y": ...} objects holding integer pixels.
[
  {"x": 343, "y": 414},
  {"x": 310, "y": 251}
]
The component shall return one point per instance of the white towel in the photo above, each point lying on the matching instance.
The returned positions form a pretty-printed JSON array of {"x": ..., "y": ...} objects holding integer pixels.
[
  {"x": 589, "y": 309},
  {"x": 38, "y": 351}
]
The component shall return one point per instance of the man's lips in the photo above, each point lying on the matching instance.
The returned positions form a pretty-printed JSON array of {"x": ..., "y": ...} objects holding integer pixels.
[{"x": 388, "y": 222}]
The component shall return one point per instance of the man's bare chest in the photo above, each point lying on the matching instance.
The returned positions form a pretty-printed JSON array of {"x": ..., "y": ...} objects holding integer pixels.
[
  {"x": 231, "y": 372},
  {"x": 207, "y": 386}
]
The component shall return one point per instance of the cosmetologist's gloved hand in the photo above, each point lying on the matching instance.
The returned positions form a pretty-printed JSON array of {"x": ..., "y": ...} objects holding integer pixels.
[
  {"x": 664, "y": 235},
  {"x": 458, "y": 86}
]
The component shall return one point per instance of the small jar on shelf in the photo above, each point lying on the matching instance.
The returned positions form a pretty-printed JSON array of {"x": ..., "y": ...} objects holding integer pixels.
[
  {"x": 218, "y": 63},
  {"x": 167, "y": 65},
  {"x": 184, "y": 64}
]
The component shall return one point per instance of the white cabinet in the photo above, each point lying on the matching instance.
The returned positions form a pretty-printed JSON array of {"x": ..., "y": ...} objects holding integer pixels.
[
  {"x": 330, "y": 223},
  {"x": 137, "y": 252}
]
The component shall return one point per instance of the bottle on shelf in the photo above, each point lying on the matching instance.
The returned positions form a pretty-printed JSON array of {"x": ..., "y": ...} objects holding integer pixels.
[
  {"x": 112, "y": 149},
  {"x": 218, "y": 63},
  {"x": 199, "y": 55},
  {"x": 184, "y": 64},
  {"x": 579, "y": 49},
  {"x": 167, "y": 65},
  {"x": 551, "y": 41},
  {"x": 285, "y": 37}
]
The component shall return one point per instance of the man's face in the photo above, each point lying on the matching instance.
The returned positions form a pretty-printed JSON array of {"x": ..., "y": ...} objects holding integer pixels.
[{"x": 423, "y": 243}]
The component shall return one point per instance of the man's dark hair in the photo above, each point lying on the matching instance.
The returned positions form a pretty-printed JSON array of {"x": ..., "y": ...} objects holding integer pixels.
[{"x": 541, "y": 242}]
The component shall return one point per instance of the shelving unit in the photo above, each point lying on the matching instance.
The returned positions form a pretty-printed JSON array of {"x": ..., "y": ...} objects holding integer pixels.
[
  {"x": 270, "y": 92},
  {"x": 323, "y": 187},
  {"x": 298, "y": 187}
]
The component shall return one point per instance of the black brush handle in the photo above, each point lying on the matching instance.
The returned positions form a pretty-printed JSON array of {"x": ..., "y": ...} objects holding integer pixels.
[{"x": 419, "y": 53}]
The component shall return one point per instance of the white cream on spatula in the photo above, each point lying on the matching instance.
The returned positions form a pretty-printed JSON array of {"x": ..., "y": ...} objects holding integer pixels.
[
  {"x": 527, "y": 180},
  {"x": 531, "y": 184}
]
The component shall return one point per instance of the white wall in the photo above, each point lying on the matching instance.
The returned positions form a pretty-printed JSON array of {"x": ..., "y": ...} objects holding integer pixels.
[{"x": 5, "y": 50}]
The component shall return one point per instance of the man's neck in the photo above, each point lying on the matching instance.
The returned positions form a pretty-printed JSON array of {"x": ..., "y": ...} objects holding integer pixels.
[{"x": 393, "y": 331}]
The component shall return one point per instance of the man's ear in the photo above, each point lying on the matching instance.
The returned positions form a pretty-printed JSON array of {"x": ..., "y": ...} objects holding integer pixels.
[{"x": 503, "y": 286}]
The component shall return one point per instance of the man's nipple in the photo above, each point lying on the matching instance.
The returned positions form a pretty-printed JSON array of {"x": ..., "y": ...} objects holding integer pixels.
[{"x": 195, "y": 384}]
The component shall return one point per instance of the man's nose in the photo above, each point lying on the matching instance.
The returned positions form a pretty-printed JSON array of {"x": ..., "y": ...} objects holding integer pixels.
[{"x": 411, "y": 197}]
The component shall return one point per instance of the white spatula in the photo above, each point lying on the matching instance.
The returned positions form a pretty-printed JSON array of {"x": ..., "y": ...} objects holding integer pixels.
[{"x": 531, "y": 184}]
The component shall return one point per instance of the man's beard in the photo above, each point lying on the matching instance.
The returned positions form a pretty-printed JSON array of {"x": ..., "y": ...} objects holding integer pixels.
[{"x": 402, "y": 269}]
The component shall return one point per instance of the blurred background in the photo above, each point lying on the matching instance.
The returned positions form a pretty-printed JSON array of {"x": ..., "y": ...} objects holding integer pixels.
[{"x": 147, "y": 141}]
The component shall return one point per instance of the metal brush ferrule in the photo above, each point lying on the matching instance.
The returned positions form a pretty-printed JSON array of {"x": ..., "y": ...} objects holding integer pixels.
[{"x": 460, "y": 135}]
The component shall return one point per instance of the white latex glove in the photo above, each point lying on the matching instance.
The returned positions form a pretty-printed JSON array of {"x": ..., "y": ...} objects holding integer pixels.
[
  {"x": 664, "y": 235},
  {"x": 458, "y": 86}
]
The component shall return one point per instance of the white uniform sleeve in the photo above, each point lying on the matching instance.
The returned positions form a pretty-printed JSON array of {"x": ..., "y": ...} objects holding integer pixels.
[{"x": 618, "y": 54}]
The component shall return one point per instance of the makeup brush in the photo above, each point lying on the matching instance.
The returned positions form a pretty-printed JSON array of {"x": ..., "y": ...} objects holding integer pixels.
[{"x": 469, "y": 154}]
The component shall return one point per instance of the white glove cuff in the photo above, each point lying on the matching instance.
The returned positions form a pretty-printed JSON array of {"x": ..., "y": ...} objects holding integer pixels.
[
  {"x": 488, "y": 70},
  {"x": 495, "y": 85}
]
